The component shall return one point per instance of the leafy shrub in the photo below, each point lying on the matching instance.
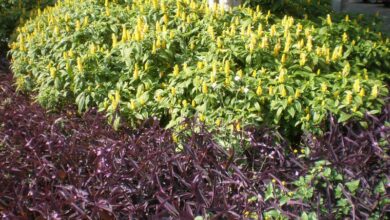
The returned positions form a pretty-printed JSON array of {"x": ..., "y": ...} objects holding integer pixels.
[
  {"x": 64, "y": 166},
  {"x": 179, "y": 59},
  {"x": 10, "y": 13}
]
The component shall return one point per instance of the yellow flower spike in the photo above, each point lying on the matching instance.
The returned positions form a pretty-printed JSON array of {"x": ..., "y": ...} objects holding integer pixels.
[
  {"x": 297, "y": 93},
  {"x": 374, "y": 91},
  {"x": 273, "y": 30},
  {"x": 277, "y": 49},
  {"x": 259, "y": 90},
  {"x": 346, "y": 69},
  {"x": 356, "y": 86},
  {"x": 362, "y": 93},
  {"x": 345, "y": 38},
  {"x": 240, "y": 74},
  {"x": 184, "y": 103},
  {"x": 204, "y": 88},
  {"x": 65, "y": 55},
  {"x": 132, "y": 105},
  {"x": 158, "y": 42},
  {"x": 218, "y": 122},
  {"x": 85, "y": 23},
  {"x": 309, "y": 43},
  {"x": 307, "y": 118},
  {"x": 124, "y": 34},
  {"x": 173, "y": 91},
  {"x": 171, "y": 34},
  {"x": 53, "y": 72},
  {"x": 92, "y": 49},
  {"x": 227, "y": 67},
  {"x": 299, "y": 29},
  {"x": 79, "y": 64},
  {"x": 176, "y": 70},
  {"x": 290, "y": 100},
  {"x": 328, "y": 20},
  {"x": 78, "y": 26},
  {"x": 200, "y": 65},
  {"x": 348, "y": 97},
  {"x": 193, "y": 103},
  {"x": 106, "y": 3},
  {"x": 270, "y": 90},
  {"x": 282, "y": 75},
  {"x": 254, "y": 73},
  {"x": 154, "y": 47},
  {"x": 288, "y": 44},
  {"x": 324, "y": 87},
  {"x": 202, "y": 118},
  {"x": 284, "y": 58},
  {"x": 302, "y": 59},
  {"x": 114, "y": 40},
  {"x": 260, "y": 30},
  {"x": 136, "y": 72},
  {"x": 347, "y": 18},
  {"x": 282, "y": 90}
]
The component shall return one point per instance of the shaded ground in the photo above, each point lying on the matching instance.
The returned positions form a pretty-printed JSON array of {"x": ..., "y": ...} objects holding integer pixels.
[{"x": 357, "y": 6}]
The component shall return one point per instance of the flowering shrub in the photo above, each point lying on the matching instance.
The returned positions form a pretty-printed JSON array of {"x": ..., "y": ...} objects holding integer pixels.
[{"x": 179, "y": 59}]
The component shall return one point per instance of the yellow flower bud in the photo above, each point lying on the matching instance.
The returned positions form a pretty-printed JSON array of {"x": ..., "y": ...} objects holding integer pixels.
[
  {"x": 290, "y": 100},
  {"x": 324, "y": 87},
  {"x": 227, "y": 67},
  {"x": 282, "y": 90},
  {"x": 132, "y": 105},
  {"x": 348, "y": 97},
  {"x": 277, "y": 49},
  {"x": 259, "y": 90},
  {"x": 53, "y": 72},
  {"x": 79, "y": 64},
  {"x": 185, "y": 103},
  {"x": 176, "y": 70},
  {"x": 270, "y": 90},
  {"x": 302, "y": 59},
  {"x": 362, "y": 93},
  {"x": 201, "y": 117},
  {"x": 218, "y": 122},
  {"x": 282, "y": 75},
  {"x": 284, "y": 58},
  {"x": 173, "y": 91},
  {"x": 114, "y": 40},
  {"x": 297, "y": 93},
  {"x": 136, "y": 72},
  {"x": 238, "y": 127},
  {"x": 356, "y": 86},
  {"x": 374, "y": 92},
  {"x": 219, "y": 42},
  {"x": 328, "y": 20},
  {"x": 200, "y": 65},
  {"x": 204, "y": 88},
  {"x": 345, "y": 38}
]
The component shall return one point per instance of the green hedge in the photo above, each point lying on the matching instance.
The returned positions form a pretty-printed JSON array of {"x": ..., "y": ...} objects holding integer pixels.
[{"x": 180, "y": 59}]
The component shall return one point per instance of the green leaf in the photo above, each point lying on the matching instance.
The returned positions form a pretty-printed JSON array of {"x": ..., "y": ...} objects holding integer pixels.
[
  {"x": 353, "y": 185},
  {"x": 344, "y": 117}
]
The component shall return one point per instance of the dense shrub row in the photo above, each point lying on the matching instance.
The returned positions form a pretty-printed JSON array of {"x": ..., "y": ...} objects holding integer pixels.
[
  {"x": 51, "y": 168},
  {"x": 179, "y": 59}
]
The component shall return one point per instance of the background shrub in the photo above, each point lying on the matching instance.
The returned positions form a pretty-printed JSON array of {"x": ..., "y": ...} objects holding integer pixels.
[{"x": 11, "y": 11}]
